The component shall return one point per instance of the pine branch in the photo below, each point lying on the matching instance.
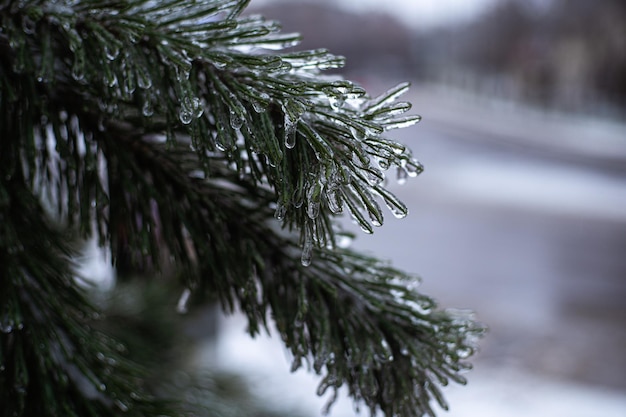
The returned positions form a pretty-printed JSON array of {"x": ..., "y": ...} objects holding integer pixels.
[
  {"x": 179, "y": 132},
  {"x": 48, "y": 350}
]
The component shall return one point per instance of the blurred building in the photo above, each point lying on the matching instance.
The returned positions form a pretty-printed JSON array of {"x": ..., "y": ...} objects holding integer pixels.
[{"x": 568, "y": 55}]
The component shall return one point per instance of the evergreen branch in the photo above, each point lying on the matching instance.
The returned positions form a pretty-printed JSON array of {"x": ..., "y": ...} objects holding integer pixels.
[
  {"x": 52, "y": 361},
  {"x": 177, "y": 130},
  {"x": 169, "y": 77}
]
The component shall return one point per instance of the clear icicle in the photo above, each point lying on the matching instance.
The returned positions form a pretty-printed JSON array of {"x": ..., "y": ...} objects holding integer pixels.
[
  {"x": 397, "y": 207},
  {"x": 236, "y": 120},
  {"x": 78, "y": 68},
  {"x": 313, "y": 196},
  {"x": 147, "y": 110},
  {"x": 334, "y": 200},
  {"x": 144, "y": 81},
  {"x": 281, "y": 211},
  {"x": 290, "y": 127},
  {"x": 414, "y": 167},
  {"x": 374, "y": 176},
  {"x": 307, "y": 249},
  {"x": 111, "y": 51}
]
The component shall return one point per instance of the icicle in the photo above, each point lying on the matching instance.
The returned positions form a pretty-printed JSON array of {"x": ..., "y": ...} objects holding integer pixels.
[
  {"x": 374, "y": 176},
  {"x": 313, "y": 200},
  {"x": 281, "y": 211},
  {"x": 313, "y": 209},
  {"x": 334, "y": 200},
  {"x": 78, "y": 67},
  {"x": 261, "y": 105},
  {"x": 190, "y": 109},
  {"x": 111, "y": 51},
  {"x": 307, "y": 249},
  {"x": 110, "y": 78},
  {"x": 128, "y": 86},
  {"x": 397, "y": 207},
  {"x": 236, "y": 120},
  {"x": 414, "y": 167},
  {"x": 144, "y": 81},
  {"x": 147, "y": 110},
  {"x": 290, "y": 128},
  {"x": 373, "y": 210}
]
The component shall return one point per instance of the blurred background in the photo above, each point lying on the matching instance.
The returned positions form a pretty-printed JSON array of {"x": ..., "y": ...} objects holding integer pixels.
[{"x": 520, "y": 214}]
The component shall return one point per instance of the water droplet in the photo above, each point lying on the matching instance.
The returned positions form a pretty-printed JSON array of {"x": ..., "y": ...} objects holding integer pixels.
[
  {"x": 336, "y": 102},
  {"x": 111, "y": 78},
  {"x": 290, "y": 127},
  {"x": 147, "y": 109},
  {"x": 399, "y": 212},
  {"x": 334, "y": 201},
  {"x": 101, "y": 387},
  {"x": 414, "y": 167},
  {"x": 185, "y": 116},
  {"x": 280, "y": 212},
  {"x": 375, "y": 218},
  {"x": 236, "y": 121},
  {"x": 260, "y": 105},
  {"x": 111, "y": 51},
  {"x": 144, "y": 81},
  {"x": 384, "y": 163},
  {"x": 358, "y": 133}
]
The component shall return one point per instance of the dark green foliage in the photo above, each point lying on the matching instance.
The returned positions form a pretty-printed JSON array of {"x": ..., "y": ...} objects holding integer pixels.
[{"x": 175, "y": 133}]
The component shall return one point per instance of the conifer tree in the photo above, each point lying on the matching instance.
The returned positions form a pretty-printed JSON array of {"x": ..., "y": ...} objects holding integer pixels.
[{"x": 194, "y": 143}]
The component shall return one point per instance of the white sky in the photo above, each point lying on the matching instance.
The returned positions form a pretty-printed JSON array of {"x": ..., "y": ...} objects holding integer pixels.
[{"x": 415, "y": 13}]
